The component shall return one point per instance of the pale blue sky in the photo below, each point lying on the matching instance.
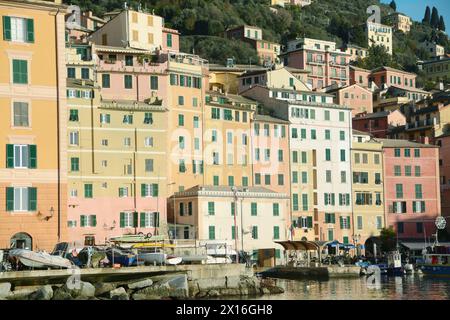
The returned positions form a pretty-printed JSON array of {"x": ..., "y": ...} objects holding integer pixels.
[{"x": 416, "y": 8}]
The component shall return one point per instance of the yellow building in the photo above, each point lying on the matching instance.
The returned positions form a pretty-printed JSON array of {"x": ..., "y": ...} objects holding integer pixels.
[
  {"x": 367, "y": 185},
  {"x": 437, "y": 70},
  {"x": 399, "y": 21},
  {"x": 227, "y": 150},
  {"x": 33, "y": 178},
  {"x": 225, "y": 78},
  {"x": 379, "y": 35}
]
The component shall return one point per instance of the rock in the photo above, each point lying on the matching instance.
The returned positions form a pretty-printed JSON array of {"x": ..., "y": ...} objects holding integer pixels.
[
  {"x": 243, "y": 291},
  {"x": 87, "y": 290},
  {"x": 140, "y": 284},
  {"x": 140, "y": 296},
  {"x": 82, "y": 291},
  {"x": 119, "y": 294},
  {"x": 275, "y": 290},
  {"x": 173, "y": 287},
  {"x": 213, "y": 293},
  {"x": 43, "y": 293},
  {"x": 230, "y": 292},
  {"x": 102, "y": 288},
  {"x": 201, "y": 294},
  {"x": 265, "y": 291},
  {"x": 61, "y": 294},
  {"x": 21, "y": 294},
  {"x": 5, "y": 289}
]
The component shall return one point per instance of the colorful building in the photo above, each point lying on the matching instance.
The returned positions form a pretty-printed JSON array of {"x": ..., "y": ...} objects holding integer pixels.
[
  {"x": 387, "y": 77},
  {"x": 398, "y": 21},
  {"x": 359, "y": 76},
  {"x": 433, "y": 49},
  {"x": 320, "y": 143},
  {"x": 437, "y": 70},
  {"x": 379, "y": 124},
  {"x": 379, "y": 35},
  {"x": 277, "y": 78},
  {"x": 367, "y": 186},
  {"x": 356, "y": 97},
  {"x": 443, "y": 141},
  {"x": 249, "y": 218},
  {"x": 356, "y": 52},
  {"x": 326, "y": 64},
  {"x": 33, "y": 202},
  {"x": 411, "y": 188},
  {"x": 267, "y": 51}
]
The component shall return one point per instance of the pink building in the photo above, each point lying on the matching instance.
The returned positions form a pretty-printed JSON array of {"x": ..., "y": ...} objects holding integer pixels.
[
  {"x": 393, "y": 77},
  {"x": 443, "y": 142},
  {"x": 412, "y": 193},
  {"x": 359, "y": 76},
  {"x": 171, "y": 40},
  {"x": 326, "y": 64},
  {"x": 358, "y": 98}
]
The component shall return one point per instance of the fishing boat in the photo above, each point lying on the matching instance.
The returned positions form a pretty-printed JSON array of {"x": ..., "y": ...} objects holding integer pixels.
[
  {"x": 394, "y": 264},
  {"x": 436, "y": 263},
  {"x": 121, "y": 256},
  {"x": 39, "y": 260}
]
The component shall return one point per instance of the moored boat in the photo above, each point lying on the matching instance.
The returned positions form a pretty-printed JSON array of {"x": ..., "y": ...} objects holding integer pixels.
[
  {"x": 436, "y": 263},
  {"x": 39, "y": 260},
  {"x": 121, "y": 256}
]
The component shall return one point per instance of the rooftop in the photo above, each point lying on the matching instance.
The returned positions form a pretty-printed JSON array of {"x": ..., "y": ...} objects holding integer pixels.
[
  {"x": 393, "y": 143},
  {"x": 268, "y": 118},
  {"x": 392, "y": 70},
  {"x": 228, "y": 191},
  {"x": 374, "y": 115}
]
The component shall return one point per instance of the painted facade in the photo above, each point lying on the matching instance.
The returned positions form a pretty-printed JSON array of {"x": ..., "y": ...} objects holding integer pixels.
[
  {"x": 357, "y": 98},
  {"x": 379, "y": 124},
  {"x": 379, "y": 35},
  {"x": 326, "y": 64},
  {"x": 399, "y": 22},
  {"x": 443, "y": 142},
  {"x": 412, "y": 190},
  {"x": 367, "y": 185},
  {"x": 356, "y": 52},
  {"x": 33, "y": 202},
  {"x": 437, "y": 70}
]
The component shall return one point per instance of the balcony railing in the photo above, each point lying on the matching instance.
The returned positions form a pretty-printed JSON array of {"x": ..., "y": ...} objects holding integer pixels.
[{"x": 421, "y": 124}]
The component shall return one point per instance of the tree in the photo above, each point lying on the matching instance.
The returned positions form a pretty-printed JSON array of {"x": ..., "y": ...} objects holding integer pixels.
[
  {"x": 427, "y": 17},
  {"x": 434, "y": 18},
  {"x": 388, "y": 239},
  {"x": 377, "y": 57},
  {"x": 393, "y": 5},
  {"x": 441, "y": 23}
]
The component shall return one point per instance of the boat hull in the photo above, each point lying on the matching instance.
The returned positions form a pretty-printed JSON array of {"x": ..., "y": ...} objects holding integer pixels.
[
  {"x": 436, "y": 270},
  {"x": 39, "y": 259}
]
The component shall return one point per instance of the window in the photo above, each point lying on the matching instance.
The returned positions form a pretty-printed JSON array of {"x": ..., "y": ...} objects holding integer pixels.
[
  {"x": 313, "y": 134},
  {"x": 148, "y": 165},
  {"x": 276, "y": 209},
  {"x": 276, "y": 232},
  {"x": 407, "y": 153},
  {"x": 257, "y": 178},
  {"x": 211, "y": 208},
  {"x": 154, "y": 82},
  {"x": 399, "y": 191},
  {"x": 74, "y": 164},
  {"x": 400, "y": 227},
  {"x": 304, "y": 157},
  {"x": 343, "y": 177},
  {"x": 216, "y": 180},
  {"x": 330, "y": 218},
  {"x": 245, "y": 181},
  {"x": 128, "y": 219},
  {"x": 21, "y": 199},
  {"x": 417, "y": 171},
  {"x": 149, "y": 220},
  {"x": 128, "y": 81},
  {"x": 255, "y": 232},
  {"x": 123, "y": 192},
  {"x": 327, "y": 134},
  {"x": 105, "y": 118},
  {"x": 408, "y": 171},
  {"x": 181, "y": 120},
  {"x": 71, "y": 73},
  {"x": 85, "y": 73},
  {"x": 20, "y": 114},
  {"x": 397, "y": 171},
  {"x": 344, "y": 223},
  {"x": 231, "y": 181},
  {"x": 73, "y": 115},
  {"x": 181, "y": 100},
  {"x": 129, "y": 61},
  {"x": 342, "y": 135},
  {"x": 294, "y": 177},
  {"x": 295, "y": 156},
  {"x": 418, "y": 191},
  {"x": 128, "y": 119},
  {"x": 254, "y": 209},
  {"x": 327, "y": 115},
  {"x": 169, "y": 40},
  {"x": 327, "y": 155},
  {"x": 329, "y": 199},
  {"x": 181, "y": 166},
  {"x": 342, "y": 155},
  {"x": 397, "y": 153},
  {"x": 341, "y": 116},
  {"x": 18, "y": 29},
  {"x": 377, "y": 178},
  {"x": 328, "y": 176},
  {"x": 21, "y": 156},
  {"x": 379, "y": 222},
  {"x": 149, "y": 190},
  {"x": 88, "y": 193},
  {"x": 359, "y": 222},
  {"x": 304, "y": 202},
  {"x": 417, "y": 153},
  {"x": 20, "y": 71}
]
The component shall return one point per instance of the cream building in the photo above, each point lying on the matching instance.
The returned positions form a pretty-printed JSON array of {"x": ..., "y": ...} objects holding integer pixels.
[
  {"x": 367, "y": 185},
  {"x": 399, "y": 21},
  {"x": 380, "y": 35}
]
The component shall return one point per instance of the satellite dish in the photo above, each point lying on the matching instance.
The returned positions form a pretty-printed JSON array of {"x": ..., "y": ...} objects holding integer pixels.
[{"x": 440, "y": 223}]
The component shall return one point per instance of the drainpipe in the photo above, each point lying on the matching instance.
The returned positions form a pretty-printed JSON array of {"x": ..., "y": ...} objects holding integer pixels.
[{"x": 58, "y": 135}]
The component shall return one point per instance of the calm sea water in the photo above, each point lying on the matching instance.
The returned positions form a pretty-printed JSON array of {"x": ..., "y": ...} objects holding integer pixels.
[{"x": 412, "y": 287}]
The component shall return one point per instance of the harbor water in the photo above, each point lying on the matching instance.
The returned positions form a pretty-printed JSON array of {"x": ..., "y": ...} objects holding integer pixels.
[{"x": 413, "y": 287}]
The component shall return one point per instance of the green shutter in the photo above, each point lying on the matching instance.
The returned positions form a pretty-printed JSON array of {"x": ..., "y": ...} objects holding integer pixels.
[
  {"x": 348, "y": 222},
  {"x": 10, "y": 156},
  {"x": 32, "y": 160},
  {"x": 94, "y": 221},
  {"x": 341, "y": 221},
  {"x": 82, "y": 221},
  {"x": 135, "y": 219},
  {"x": 156, "y": 219},
  {"x": 30, "y": 30},
  {"x": 333, "y": 218},
  {"x": 9, "y": 199},
  {"x": 32, "y": 199},
  {"x": 155, "y": 190},
  {"x": 142, "y": 219},
  {"x": 143, "y": 189},
  {"x": 310, "y": 222},
  {"x": 122, "y": 219},
  {"x": 6, "y": 28}
]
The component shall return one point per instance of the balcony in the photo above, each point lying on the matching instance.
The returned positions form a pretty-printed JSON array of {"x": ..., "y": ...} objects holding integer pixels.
[
  {"x": 316, "y": 61},
  {"x": 145, "y": 67},
  {"x": 421, "y": 124}
]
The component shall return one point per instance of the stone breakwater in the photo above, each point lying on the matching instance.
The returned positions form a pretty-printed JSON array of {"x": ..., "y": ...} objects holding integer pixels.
[{"x": 198, "y": 282}]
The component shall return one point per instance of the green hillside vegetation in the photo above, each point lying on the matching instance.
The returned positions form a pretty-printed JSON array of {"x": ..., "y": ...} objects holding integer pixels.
[{"x": 203, "y": 22}]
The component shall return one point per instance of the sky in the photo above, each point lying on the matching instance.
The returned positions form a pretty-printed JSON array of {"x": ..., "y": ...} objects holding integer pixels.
[{"x": 416, "y": 8}]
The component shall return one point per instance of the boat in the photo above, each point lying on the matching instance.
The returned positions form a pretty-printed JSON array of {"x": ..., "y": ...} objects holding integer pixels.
[
  {"x": 436, "y": 263},
  {"x": 394, "y": 264},
  {"x": 39, "y": 260},
  {"x": 196, "y": 258},
  {"x": 121, "y": 256},
  {"x": 172, "y": 260}
]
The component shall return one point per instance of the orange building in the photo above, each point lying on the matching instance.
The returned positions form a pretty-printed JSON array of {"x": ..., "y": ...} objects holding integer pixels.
[{"x": 33, "y": 178}]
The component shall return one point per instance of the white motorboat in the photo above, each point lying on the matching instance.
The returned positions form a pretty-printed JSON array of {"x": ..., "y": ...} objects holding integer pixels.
[
  {"x": 39, "y": 260},
  {"x": 158, "y": 258}
]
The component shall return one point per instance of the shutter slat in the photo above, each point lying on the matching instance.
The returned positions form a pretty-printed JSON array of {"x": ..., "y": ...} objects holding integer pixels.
[
  {"x": 32, "y": 152},
  {"x": 30, "y": 30},
  {"x": 122, "y": 219},
  {"x": 32, "y": 199},
  {"x": 6, "y": 28},
  {"x": 9, "y": 199},
  {"x": 142, "y": 219}
]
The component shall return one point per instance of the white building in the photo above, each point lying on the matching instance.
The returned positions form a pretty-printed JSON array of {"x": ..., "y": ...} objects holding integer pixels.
[
  {"x": 380, "y": 35},
  {"x": 320, "y": 144},
  {"x": 433, "y": 49},
  {"x": 207, "y": 213}
]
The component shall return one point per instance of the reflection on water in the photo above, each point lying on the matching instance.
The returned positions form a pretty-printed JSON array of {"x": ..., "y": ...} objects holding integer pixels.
[{"x": 399, "y": 288}]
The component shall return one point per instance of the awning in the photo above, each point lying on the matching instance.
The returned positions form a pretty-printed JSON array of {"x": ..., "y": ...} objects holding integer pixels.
[
  {"x": 299, "y": 245},
  {"x": 414, "y": 245}
]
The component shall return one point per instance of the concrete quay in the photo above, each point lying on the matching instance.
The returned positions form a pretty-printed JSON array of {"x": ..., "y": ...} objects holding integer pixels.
[{"x": 323, "y": 272}]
